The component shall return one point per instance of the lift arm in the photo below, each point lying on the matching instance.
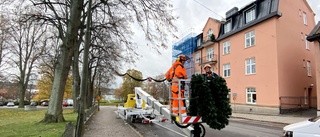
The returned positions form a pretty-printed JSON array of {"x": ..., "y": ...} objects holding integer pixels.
[{"x": 155, "y": 104}]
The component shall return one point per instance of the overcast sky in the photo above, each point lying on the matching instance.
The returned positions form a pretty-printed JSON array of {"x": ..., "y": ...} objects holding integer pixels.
[{"x": 192, "y": 18}]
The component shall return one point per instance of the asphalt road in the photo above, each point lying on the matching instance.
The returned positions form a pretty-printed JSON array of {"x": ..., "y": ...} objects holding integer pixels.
[
  {"x": 236, "y": 128},
  {"x": 157, "y": 129},
  {"x": 247, "y": 128}
]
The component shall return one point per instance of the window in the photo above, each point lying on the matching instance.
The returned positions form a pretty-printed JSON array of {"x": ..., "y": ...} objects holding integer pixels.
[
  {"x": 305, "y": 96},
  {"x": 227, "y": 27},
  {"x": 309, "y": 68},
  {"x": 251, "y": 95},
  {"x": 250, "y": 15},
  {"x": 197, "y": 57},
  {"x": 250, "y": 39},
  {"x": 198, "y": 42},
  {"x": 210, "y": 32},
  {"x": 305, "y": 18},
  {"x": 210, "y": 54},
  {"x": 226, "y": 47},
  {"x": 226, "y": 70},
  {"x": 250, "y": 66},
  {"x": 307, "y": 43}
]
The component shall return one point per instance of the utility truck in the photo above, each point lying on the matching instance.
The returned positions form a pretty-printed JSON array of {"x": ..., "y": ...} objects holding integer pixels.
[{"x": 141, "y": 106}]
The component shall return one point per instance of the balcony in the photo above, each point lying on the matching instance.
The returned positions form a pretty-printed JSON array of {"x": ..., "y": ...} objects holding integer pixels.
[
  {"x": 204, "y": 60},
  {"x": 201, "y": 43}
]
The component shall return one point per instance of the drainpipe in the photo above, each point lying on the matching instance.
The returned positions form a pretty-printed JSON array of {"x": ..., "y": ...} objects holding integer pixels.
[
  {"x": 218, "y": 58},
  {"x": 201, "y": 60}
]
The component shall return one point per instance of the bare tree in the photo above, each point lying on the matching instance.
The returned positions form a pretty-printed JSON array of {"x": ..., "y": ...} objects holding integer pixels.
[
  {"x": 3, "y": 37},
  {"x": 159, "y": 90},
  {"x": 111, "y": 23},
  {"x": 27, "y": 44}
]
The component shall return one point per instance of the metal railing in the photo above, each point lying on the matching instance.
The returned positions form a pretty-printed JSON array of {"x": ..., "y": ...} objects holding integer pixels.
[
  {"x": 205, "y": 60},
  {"x": 290, "y": 103},
  {"x": 90, "y": 112}
]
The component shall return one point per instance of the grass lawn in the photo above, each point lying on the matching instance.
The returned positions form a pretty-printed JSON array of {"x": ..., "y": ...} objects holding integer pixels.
[
  {"x": 22, "y": 123},
  {"x": 110, "y": 102}
]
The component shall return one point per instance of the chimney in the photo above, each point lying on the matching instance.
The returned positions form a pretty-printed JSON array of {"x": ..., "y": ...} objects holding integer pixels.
[{"x": 231, "y": 12}]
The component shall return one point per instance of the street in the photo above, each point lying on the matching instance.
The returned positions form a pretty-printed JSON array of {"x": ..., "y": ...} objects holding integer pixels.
[{"x": 236, "y": 127}]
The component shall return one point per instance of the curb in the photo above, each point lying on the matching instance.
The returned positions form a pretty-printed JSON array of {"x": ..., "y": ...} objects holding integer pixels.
[
  {"x": 259, "y": 120},
  {"x": 133, "y": 128}
]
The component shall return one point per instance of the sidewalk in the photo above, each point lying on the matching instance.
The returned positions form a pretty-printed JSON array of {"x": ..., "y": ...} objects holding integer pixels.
[
  {"x": 289, "y": 118},
  {"x": 284, "y": 119},
  {"x": 104, "y": 123}
]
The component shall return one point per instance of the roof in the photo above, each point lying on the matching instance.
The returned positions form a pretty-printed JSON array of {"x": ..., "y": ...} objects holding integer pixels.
[
  {"x": 315, "y": 33},
  {"x": 265, "y": 9},
  {"x": 210, "y": 18}
]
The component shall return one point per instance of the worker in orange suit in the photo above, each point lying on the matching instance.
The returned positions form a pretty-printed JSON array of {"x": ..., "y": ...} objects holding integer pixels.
[{"x": 178, "y": 71}]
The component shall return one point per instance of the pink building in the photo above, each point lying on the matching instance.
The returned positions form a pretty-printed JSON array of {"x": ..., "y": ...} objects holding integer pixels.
[
  {"x": 314, "y": 36},
  {"x": 262, "y": 52}
]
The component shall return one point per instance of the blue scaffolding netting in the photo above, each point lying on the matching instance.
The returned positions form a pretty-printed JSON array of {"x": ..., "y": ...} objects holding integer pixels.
[{"x": 186, "y": 46}]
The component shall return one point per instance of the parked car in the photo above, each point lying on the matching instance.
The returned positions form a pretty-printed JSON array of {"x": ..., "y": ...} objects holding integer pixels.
[
  {"x": 45, "y": 103},
  {"x": 1, "y": 103},
  {"x": 33, "y": 104},
  {"x": 307, "y": 128},
  {"x": 65, "y": 104},
  {"x": 70, "y": 102},
  {"x": 10, "y": 104}
]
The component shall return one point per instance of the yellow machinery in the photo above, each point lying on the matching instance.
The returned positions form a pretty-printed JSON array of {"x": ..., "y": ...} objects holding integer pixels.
[{"x": 131, "y": 102}]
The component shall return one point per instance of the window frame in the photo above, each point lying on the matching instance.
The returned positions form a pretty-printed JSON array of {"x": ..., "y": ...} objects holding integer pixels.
[
  {"x": 226, "y": 47},
  {"x": 226, "y": 70},
  {"x": 309, "y": 68},
  {"x": 251, "y": 36},
  {"x": 209, "y": 54},
  {"x": 250, "y": 12},
  {"x": 251, "y": 65},
  {"x": 197, "y": 57},
  {"x": 209, "y": 33},
  {"x": 305, "y": 96},
  {"x": 305, "y": 21},
  {"x": 199, "y": 42},
  {"x": 307, "y": 43},
  {"x": 227, "y": 26},
  {"x": 252, "y": 91}
]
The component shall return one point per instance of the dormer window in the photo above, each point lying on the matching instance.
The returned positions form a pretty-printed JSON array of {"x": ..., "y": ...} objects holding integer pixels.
[
  {"x": 210, "y": 32},
  {"x": 227, "y": 26},
  {"x": 198, "y": 42},
  {"x": 250, "y": 14}
]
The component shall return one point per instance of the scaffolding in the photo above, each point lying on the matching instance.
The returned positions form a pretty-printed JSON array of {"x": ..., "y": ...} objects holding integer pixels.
[{"x": 186, "y": 46}]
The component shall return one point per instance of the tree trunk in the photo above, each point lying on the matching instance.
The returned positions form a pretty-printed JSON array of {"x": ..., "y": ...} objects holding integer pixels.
[
  {"x": 90, "y": 93},
  {"x": 54, "y": 113},
  {"x": 22, "y": 92},
  {"x": 90, "y": 90},
  {"x": 76, "y": 80}
]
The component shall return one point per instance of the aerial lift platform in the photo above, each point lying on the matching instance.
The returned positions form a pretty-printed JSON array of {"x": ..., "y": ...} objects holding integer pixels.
[{"x": 141, "y": 106}]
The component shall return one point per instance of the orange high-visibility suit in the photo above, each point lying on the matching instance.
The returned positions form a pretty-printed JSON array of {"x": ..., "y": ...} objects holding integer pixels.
[{"x": 179, "y": 73}]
